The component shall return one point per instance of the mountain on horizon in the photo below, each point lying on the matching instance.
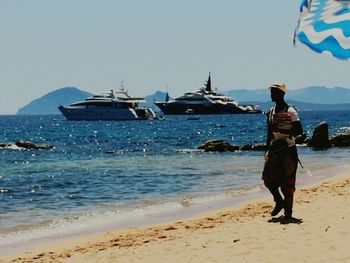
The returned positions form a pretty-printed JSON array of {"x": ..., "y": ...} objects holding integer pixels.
[
  {"x": 49, "y": 103},
  {"x": 312, "y": 94},
  {"x": 300, "y": 106},
  {"x": 157, "y": 96},
  {"x": 310, "y": 98}
]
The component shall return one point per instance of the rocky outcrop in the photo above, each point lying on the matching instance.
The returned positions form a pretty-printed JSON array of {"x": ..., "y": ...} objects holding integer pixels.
[
  {"x": 254, "y": 147},
  {"x": 340, "y": 140},
  {"x": 30, "y": 145},
  {"x": 319, "y": 140},
  {"x": 26, "y": 145},
  {"x": 320, "y": 137},
  {"x": 247, "y": 147},
  {"x": 5, "y": 145},
  {"x": 218, "y": 146}
]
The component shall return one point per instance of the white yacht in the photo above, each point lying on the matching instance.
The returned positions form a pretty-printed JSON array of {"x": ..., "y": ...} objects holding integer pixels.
[
  {"x": 115, "y": 105},
  {"x": 204, "y": 101}
]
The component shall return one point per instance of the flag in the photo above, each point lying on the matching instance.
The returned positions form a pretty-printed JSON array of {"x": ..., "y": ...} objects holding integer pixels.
[{"x": 324, "y": 26}]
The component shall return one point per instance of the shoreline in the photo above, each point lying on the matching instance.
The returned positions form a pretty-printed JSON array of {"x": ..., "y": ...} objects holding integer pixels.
[
  {"x": 186, "y": 211},
  {"x": 137, "y": 237}
]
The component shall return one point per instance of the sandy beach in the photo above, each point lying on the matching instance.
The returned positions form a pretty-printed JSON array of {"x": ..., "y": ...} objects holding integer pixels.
[{"x": 246, "y": 233}]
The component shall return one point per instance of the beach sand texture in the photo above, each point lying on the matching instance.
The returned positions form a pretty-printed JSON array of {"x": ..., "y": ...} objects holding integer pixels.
[{"x": 242, "y": 234}]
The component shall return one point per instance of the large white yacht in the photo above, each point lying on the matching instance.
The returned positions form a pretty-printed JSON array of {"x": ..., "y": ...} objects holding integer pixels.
[
  {"x": 114, "y": 105},
  {"x": 204, "y": 101}
]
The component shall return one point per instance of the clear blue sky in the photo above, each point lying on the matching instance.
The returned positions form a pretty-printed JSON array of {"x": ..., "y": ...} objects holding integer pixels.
[{"x": 152, "y": 44}]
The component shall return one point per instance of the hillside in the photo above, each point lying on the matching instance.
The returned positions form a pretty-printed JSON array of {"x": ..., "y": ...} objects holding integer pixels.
[
  {"x": 301, "y": 106},
  {"x": 157, "y": 96},
  {"x": 312, "y": 94},
  {"x": 48, "y": 103}
]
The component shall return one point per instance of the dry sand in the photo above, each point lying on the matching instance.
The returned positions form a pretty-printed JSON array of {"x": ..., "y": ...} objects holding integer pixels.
[{"x": 241, "y": 234}]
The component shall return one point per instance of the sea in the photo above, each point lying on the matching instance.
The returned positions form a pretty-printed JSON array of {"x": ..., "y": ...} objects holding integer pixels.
[{"x": 104, "y": 175}]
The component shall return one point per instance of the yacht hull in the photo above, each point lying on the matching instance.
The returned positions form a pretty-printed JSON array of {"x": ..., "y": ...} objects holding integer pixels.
[
  {"x": 105, "y": 114},
  {"x": 187, "y": 109}
]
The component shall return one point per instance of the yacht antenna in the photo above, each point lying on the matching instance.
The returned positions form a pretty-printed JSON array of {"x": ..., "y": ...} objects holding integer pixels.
[
  {"x": 167, "y": 95},
  {"x": 122, "y": 85},
  {"x": 208, "y": 84}
]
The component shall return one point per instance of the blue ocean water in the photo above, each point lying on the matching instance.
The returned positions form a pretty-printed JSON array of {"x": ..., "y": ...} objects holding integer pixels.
[{"x": 105, "y": 170}]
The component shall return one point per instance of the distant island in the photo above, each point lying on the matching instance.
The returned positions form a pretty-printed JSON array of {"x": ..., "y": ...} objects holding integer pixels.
[
  {"x": 49, "y": 103},
  {"x": 305, "y": 99}
]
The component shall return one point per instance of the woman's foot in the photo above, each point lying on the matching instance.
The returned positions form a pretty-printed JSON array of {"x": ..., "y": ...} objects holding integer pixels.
[{"x": 277, "y": 209}]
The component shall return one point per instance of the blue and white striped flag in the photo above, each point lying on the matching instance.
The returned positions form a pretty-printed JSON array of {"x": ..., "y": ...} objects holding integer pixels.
[{"x": 324, "y": 26}]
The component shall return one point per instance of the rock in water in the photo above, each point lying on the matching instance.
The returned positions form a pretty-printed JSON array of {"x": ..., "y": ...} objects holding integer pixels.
[
  {"x": 218, "y": 146},
  {"x": 30, "y": 145},
  {"x": 340, "y": 140},
  {"x": 254, "y": 147},
  {"x": 259, "y": 147},
  {"x": 320, "y": 137},
  {"x": 247, "y": 147}
]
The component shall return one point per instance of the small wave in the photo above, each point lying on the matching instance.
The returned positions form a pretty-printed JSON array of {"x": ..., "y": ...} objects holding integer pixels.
[
  {"x": 189, "y": 151},
  {"x": 213, "y": 198},
  {"x": 4, "y": 190},
  {"x": 82, "y": 224},
  {"x": 238, "y": 192},
  {"x": 12, "y": 147},
  {"x": 116, "y": 217},
  {"x": 344, "y": 129}
]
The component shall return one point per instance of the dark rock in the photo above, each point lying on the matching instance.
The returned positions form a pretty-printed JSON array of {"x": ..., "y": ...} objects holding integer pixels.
[
  {"x": 340, "y": 140},
  {"x": 259, "y": 147},
  {"x": 254, "y": 147},
  {"x": 247, "y": 147},
  {"x": 30, "y": 145},
  {"x": 320, "y": 136},
  {"x": 4, "y": 145},
  {"x": 218, "y": 146},
  {"x": 110, "y": 152}
]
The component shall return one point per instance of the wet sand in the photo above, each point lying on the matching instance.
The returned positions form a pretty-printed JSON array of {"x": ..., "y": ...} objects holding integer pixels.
[{"x": 246, "y": 233}]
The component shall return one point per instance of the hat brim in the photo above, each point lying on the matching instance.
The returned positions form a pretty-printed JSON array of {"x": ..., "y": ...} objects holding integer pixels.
[{"x": 283, "y": 89}]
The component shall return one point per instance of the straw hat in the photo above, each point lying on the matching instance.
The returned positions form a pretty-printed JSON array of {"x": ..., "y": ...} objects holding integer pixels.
[{"x": 280, "y": 86}]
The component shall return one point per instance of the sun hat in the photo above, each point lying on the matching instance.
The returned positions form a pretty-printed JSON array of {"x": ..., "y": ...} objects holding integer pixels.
[{"x": 280, "y": 86}]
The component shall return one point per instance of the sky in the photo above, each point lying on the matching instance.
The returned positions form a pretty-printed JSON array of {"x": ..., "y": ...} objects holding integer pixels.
[{"x": 153, "y": 45}]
